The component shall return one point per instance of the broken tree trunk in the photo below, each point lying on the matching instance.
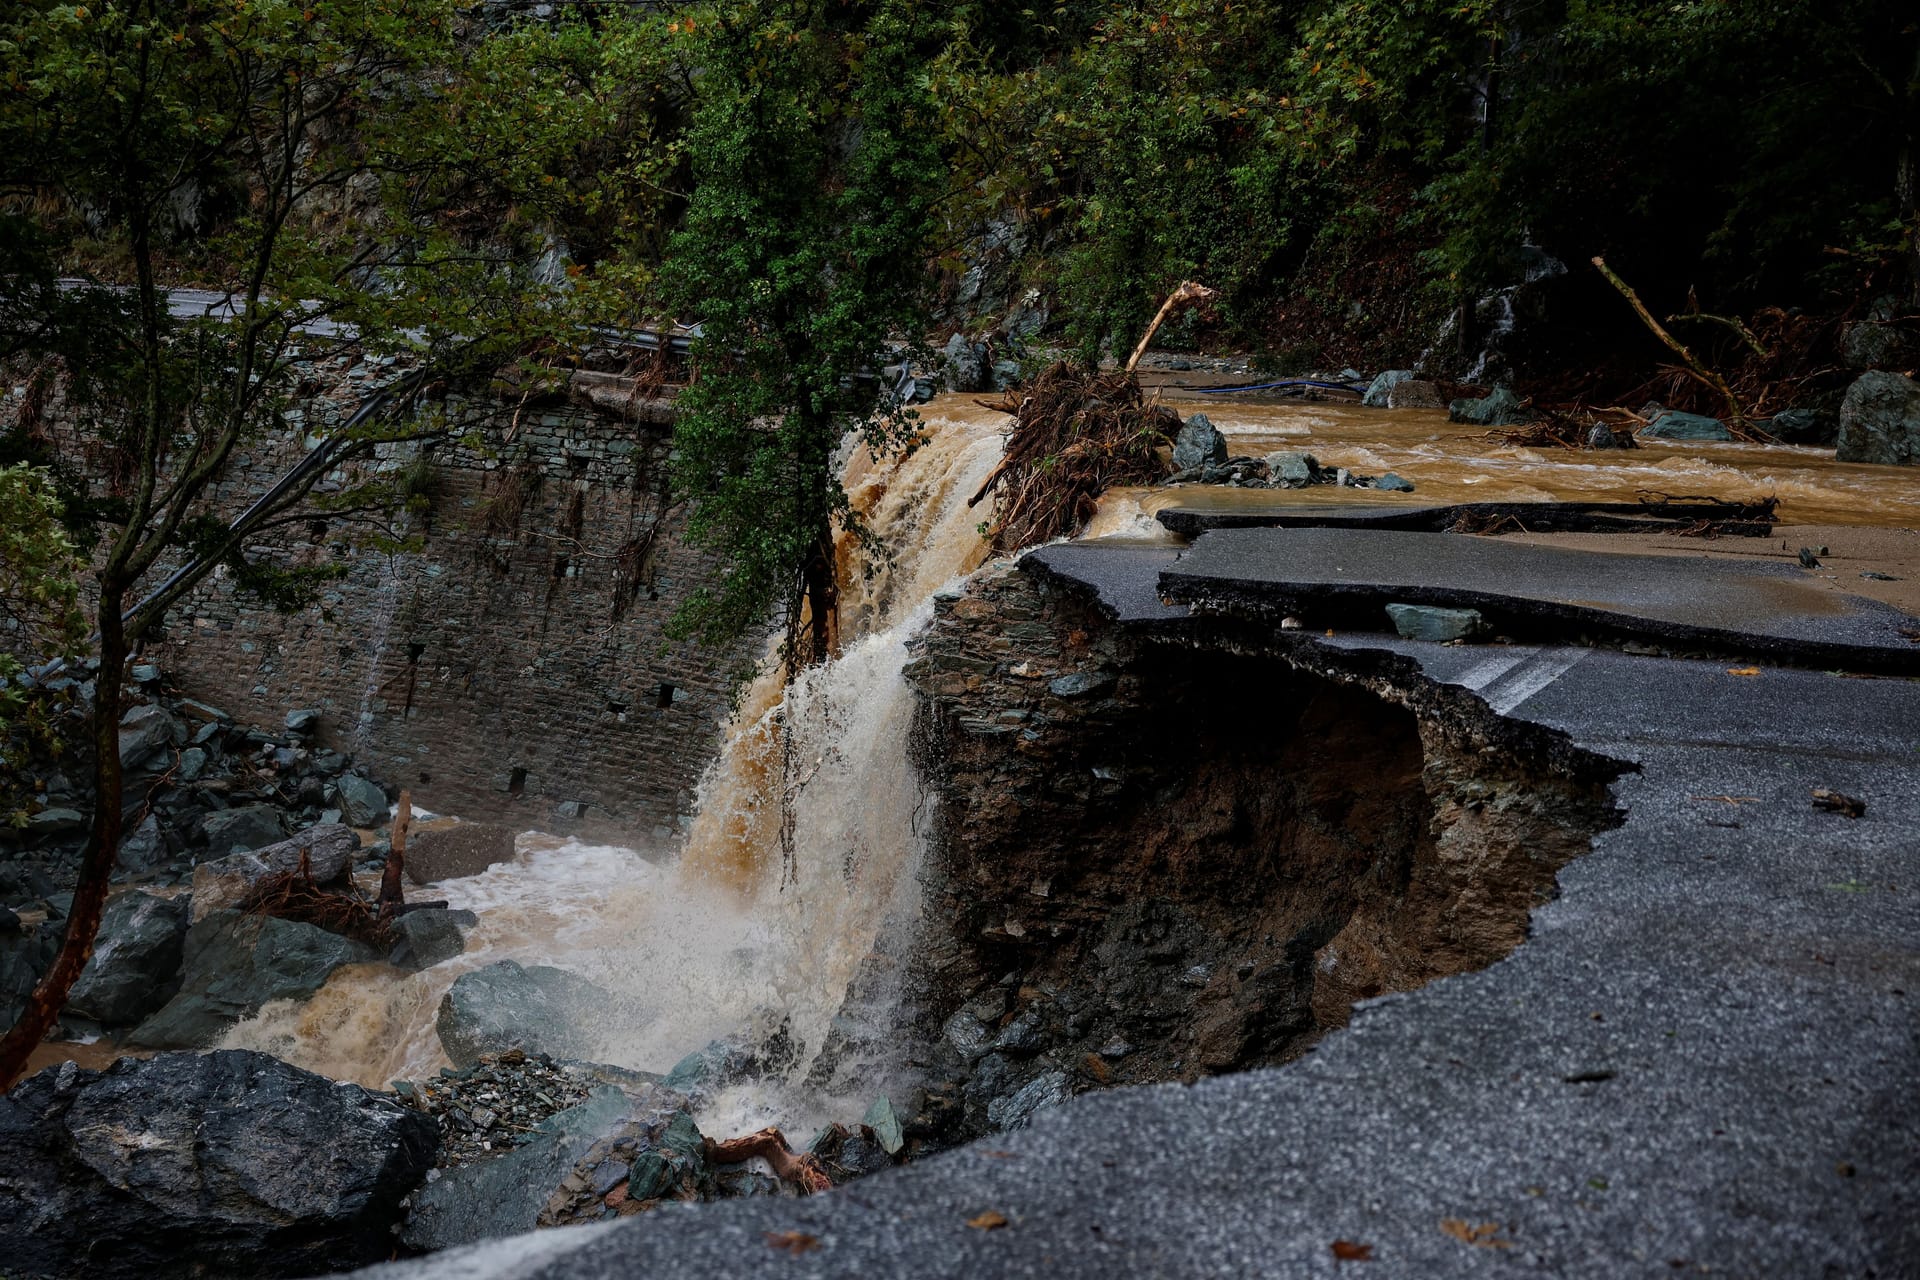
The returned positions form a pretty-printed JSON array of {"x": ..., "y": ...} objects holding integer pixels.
[
  {"x": 1188, "y": 292},
  {"x": 393, "y": 892}
]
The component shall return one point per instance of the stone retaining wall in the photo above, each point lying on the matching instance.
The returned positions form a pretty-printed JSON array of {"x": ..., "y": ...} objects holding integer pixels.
[{"x": 503, "y": 655}]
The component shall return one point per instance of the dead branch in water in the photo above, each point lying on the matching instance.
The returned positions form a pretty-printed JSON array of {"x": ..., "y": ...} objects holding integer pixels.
[
  {"x": 770, "y": 1145},
  {"x": 1187, "y": 294},
  {"x": 1076, "y": 434},
  {"x": 1736, "y": 414}
]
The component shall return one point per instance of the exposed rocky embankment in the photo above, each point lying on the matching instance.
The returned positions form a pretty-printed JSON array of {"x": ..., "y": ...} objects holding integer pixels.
[
  {"x": 1166, "y": 855},
  {"x": 215, "y": 809}
]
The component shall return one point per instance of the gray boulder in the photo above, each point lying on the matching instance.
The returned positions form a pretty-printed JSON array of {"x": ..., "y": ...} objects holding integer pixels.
[
  {"x": 303, "y": 722},
  {"x": 463, "y": 849},
  {"x": 966, "y": 362},
  {"x": 145, "y": 732},
  {"x": 26, "y": 953},
  {"x": 1416, "y": 393},
  {"x": 1500, "y": 408},
  {"x": 362, "y": 803},
  {"x": 1801, "y": 426},
  {"x": 1392, "y": 483},
  {"x": 1292, "y": 469},
  {"x": 235, "y": 963},
  {"x": 229, "y": 1163},
  {"x": 1671, "y": 424},
  {"x": 135, "y": 967},
  {"x": 143, "y": 848},
  {"x": 251, "y": 826},
  {"x": 428, "y": 936},
  {"x": 1198, "y": 444},
  {"x": 504, "y": 1196},
  {"x": 1871, "y": 344},
  {"x": 1428, "y": 622},
  {"x": 1880, "y": 420},
  {"x": 1380, "y": 390},
  {"x": 537, "y": 1008},
  {"x": 225, "y": 882},
  {"x": 56, "y": 822}
]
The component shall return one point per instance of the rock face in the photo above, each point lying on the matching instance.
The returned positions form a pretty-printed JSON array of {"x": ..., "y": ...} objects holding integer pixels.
[
  {"x": 1199, "y": 868},
  {"x": 233, "y": 964},
  {"x": 463, "y": 849},
  {"x": 1880, "y": 420},
  {"x": 330, "y": 849},
  {"x": 1199, "y": 444},
  {"x": 231, "y": 1163},
  {"x": 135, "y": 966},
  {"x": 504, "y": 1006}
]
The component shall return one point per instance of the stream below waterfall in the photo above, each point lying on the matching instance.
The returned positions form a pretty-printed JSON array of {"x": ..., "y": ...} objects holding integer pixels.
[{"x": 740, "y": 928}]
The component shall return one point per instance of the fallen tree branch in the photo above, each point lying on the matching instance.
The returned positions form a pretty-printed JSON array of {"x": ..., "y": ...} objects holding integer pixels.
[
  {"x": 1188, "y": 292},
  {"x": 1731, "y": 322},
  {"x": 1736, "y": 415},
  {"x": 770, "y": 1144}
]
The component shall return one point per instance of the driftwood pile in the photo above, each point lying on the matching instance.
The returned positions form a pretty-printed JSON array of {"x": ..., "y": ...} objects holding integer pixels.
[{"x": 1076, "y": 433}]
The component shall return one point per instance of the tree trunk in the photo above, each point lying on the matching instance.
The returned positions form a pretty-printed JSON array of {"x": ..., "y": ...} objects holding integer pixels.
[
  {"x": 96, "y": 867},
  {"x": 823, "y": 596}
]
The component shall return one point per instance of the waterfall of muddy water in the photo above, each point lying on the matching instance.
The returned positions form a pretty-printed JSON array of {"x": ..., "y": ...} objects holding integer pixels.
[
  {"x": 1450, "y": 462},
  {"x": 698, "y": 948}
]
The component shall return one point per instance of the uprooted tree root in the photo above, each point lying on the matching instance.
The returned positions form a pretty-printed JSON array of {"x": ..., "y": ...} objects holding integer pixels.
[
  {"x": 293, "y": 895},
  {"x": 1076, "y": 433}
]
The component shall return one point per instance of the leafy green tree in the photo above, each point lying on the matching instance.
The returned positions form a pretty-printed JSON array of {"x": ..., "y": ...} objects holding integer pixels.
[
  {"x": 815, "y": 171},
  {"x": 371, "y": 175}
]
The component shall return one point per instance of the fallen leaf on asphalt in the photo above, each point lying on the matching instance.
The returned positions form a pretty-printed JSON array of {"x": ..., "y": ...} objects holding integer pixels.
[
  {"x": 1352, "y": 1251},
  {"x": 1835, "y": 802},
  {"x": 1743, "y": 671},
  {"x": 991, "y": 1220},
  {"x": 794, "y": 1242},
  {"x": 1485, "y": 1235}
]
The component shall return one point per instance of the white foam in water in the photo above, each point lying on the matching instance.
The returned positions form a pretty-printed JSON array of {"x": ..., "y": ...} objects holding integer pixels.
[{"x": 733, "y": 931}]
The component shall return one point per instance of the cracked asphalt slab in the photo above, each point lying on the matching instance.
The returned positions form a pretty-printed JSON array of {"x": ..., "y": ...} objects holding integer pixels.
[
  {"x": 1704, "y": 1061},
  {"x": 1760, "y": 607}
]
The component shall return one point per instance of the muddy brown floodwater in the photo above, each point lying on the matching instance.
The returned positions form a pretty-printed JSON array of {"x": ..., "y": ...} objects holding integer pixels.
[{"x": 1450, "y": 462}]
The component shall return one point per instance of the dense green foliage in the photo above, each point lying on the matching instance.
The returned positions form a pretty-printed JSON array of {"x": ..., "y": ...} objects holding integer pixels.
[
  {"x": 805, "y": 179},
  {"x": 1761, "y": 153},
  {"x": 814, "y": 171}
]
